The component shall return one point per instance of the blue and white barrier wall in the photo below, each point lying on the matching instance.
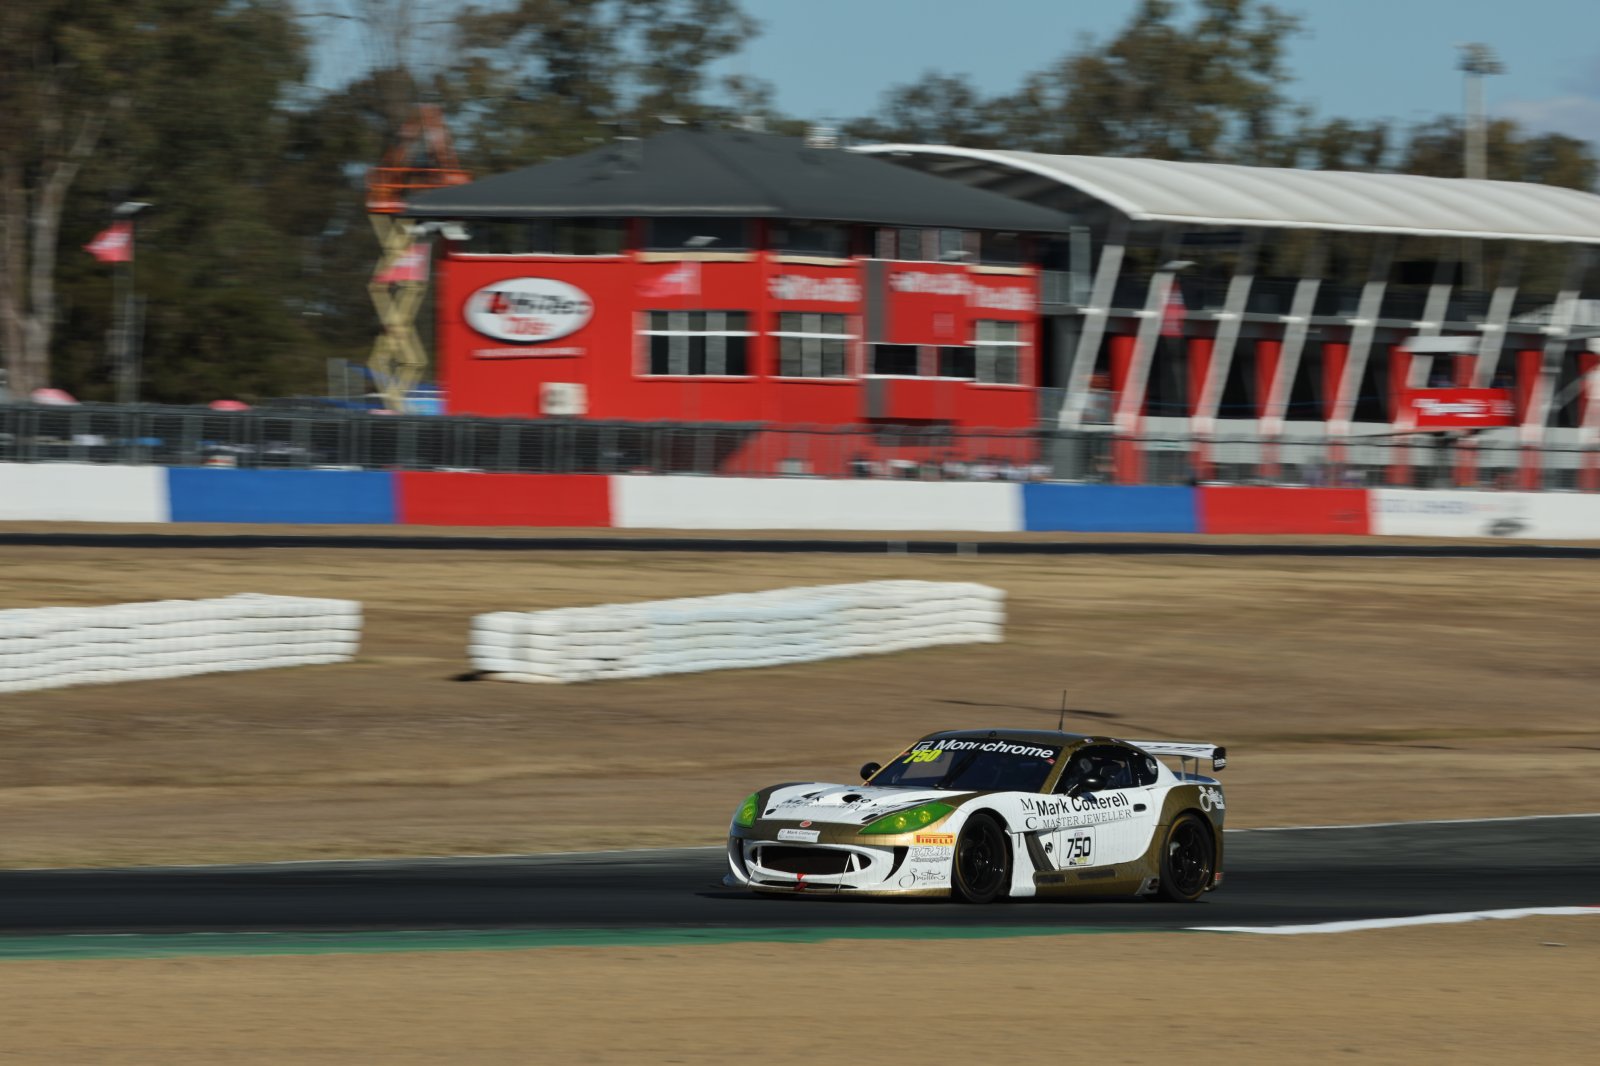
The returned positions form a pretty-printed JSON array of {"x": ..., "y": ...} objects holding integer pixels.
[{"x": 69, "y": 492}]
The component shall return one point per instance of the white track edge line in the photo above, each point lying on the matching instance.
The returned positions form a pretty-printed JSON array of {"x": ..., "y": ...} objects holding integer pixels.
[{"x": 1362, "y": 924}]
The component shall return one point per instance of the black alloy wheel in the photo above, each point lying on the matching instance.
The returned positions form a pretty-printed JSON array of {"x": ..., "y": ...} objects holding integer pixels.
[
  {"x": 983, "y": 861},
  {"x": 1188, "y": 859}
]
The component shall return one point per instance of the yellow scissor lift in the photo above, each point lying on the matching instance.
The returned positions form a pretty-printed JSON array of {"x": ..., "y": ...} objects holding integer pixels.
[{"x": 422, "y": 159}]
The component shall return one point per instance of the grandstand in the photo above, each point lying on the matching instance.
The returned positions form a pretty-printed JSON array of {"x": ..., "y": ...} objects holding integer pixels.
[{"x": 1279, "y": 317}]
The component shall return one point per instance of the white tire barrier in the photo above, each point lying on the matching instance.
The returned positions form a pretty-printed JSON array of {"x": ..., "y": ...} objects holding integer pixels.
[
  {"x": 794, "y": 625},
  {"x": 52, "y": 647}
]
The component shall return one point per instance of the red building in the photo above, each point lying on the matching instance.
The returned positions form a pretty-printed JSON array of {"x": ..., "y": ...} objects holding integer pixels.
[{"x": 738, "y": 277}]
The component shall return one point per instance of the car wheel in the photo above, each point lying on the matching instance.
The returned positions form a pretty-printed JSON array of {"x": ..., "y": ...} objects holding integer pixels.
[
  {"x": 982, "y": 871},
  {"x": 1188, "y": 859}
]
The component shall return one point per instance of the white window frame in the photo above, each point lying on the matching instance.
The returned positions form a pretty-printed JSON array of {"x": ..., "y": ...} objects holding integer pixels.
[
  {"x": 985, "y": 351},
  {"x": 804, "y": 335},
  {"x": 683, "y": 356}
]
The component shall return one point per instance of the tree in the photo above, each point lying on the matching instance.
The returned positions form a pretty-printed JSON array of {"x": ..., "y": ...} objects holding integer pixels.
[
  {"x": 542, "y": 79},
  {"x": 207, "y": 137},
  {"x": 1208, "y": 90},
  {"x": 64, "y": 76},
  {"x": 936, "y": 109},
  {"x": 1435, "y": 148},
  {"x": 1340, "y": 144}
]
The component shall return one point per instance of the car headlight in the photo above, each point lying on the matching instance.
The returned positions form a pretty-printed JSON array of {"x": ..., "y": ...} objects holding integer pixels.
[
  {"x": 907, "y": 820},
  {"x": 748, "y": 811}
]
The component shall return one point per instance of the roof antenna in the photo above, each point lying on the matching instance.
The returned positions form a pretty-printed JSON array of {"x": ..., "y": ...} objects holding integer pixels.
[{"x": 1061, "y": 719}]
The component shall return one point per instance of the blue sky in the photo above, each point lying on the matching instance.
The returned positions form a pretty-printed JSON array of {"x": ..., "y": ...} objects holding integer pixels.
[{"x": 1361, "y": 59}]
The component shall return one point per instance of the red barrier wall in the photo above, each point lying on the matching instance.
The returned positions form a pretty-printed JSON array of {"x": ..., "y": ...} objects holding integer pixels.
[
  {"x": 1248, "y": 509},
  {"x": 429, "y": 498}
]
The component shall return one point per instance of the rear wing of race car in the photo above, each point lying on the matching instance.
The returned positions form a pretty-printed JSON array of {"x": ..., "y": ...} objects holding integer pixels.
[{"x": 1185, "y": 750}]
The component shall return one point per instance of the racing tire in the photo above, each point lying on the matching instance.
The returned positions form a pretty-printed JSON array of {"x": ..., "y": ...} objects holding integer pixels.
[
  {"x": 1188, "y": 859},
  {"x": 981, "y": 869}
]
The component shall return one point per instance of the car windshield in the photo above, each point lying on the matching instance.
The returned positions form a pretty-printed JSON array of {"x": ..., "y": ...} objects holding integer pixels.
[{"x": 976, "y": 765}]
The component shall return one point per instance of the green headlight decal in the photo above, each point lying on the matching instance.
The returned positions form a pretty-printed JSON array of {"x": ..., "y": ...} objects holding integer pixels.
[
  {"x": 748, "y": 811},
  {"x": 907, "y": 821}
]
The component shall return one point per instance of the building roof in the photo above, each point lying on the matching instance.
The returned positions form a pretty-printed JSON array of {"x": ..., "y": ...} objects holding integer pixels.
[
  {"x": 1216, "y": 194},
  {"x": 728, "y": 173}
]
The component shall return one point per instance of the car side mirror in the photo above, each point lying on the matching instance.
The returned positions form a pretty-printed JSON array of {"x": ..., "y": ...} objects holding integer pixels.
[
  {"x": 1085, "y": 784},
  {"x": 869, "y": 769}
]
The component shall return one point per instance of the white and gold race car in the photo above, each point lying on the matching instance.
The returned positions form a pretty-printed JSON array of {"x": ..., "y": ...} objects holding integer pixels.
[{"x": 983, "y": 815}]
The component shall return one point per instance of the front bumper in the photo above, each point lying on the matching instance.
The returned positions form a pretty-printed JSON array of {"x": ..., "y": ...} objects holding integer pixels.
[{"x": 830, "y": 869}]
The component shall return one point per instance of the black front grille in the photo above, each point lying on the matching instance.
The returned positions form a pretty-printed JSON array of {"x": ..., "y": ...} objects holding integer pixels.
[{"x": 808, "y": 861}]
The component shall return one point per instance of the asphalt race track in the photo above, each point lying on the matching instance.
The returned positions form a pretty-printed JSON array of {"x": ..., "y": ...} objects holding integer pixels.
[{"x": 1272, "y": 877}]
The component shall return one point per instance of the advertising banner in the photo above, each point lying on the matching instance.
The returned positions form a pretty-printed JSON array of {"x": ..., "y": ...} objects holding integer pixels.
[
  {"x": 527, "y": 311},
  {"x": 1459, "y": 408},
  {"x": 1454, "y": 513}
]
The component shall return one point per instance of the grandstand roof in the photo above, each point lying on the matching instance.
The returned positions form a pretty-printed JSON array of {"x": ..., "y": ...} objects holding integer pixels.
[{"x": 1215, "y": 194}]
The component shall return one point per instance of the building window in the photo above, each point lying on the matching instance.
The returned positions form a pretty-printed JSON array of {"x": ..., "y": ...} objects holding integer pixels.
[
  {"x": 952, "y": 245},
  {"x": 909, "y": 244},
  {"x": 896, "y": 360},
  {"x": 544, "y": 236},
  {"x": 998, "y": 347},
  {"x": 812, "y": 345},
  {"x": 697, "y": 234},
  {"x": 1004, "y": 249},
  {"x": 699, "y": 343},
  {"x": 800, "y": 237},
  {"x": 956, "y": 361},
  {"x": 582, "y": 236}
]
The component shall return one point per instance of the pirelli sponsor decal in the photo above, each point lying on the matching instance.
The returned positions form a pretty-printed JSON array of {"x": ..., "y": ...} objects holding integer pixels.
[{"x": 941, "y": 839}]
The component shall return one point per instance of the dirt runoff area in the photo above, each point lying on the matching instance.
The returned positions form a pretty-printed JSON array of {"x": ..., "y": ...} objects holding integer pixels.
[
  {"x": 1490, "y": 992},
  {"x": 1346, "y": 690}
]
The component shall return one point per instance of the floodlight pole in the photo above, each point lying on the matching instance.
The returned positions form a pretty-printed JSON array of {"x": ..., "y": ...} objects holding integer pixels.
[{"x": 1476, "y": 61}]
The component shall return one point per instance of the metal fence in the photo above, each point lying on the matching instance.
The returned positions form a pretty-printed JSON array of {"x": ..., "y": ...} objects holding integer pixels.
[{"x": 299, "y": 438}]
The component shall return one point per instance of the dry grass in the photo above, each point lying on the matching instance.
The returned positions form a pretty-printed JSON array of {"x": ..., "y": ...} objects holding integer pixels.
[{"x": 1349, "y": 690}]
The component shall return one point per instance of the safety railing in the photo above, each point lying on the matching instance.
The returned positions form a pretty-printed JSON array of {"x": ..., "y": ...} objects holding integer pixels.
[{"x": 269, "y": 438}]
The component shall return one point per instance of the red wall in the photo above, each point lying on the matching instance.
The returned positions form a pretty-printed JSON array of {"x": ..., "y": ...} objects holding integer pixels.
[
  {"x": 485, "y": 376},
  {"x": 1270, "y": 509},
  {"x": 429, "y": 498}
]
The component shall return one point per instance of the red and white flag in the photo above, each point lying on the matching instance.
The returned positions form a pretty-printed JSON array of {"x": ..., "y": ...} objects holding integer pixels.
[
  {"x": 1173, "y": 314},
  {"x": 410, "y": 265},
  {"x": 114, "y": 244},
  {"x": 680, "y": 280}
]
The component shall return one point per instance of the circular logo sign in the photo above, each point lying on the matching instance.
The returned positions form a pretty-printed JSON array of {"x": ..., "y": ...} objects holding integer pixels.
[{"x": 529, "y": 310}]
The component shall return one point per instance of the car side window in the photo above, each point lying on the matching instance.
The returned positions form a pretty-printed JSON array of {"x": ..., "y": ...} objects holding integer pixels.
[{"x": 1116, "y": 767}]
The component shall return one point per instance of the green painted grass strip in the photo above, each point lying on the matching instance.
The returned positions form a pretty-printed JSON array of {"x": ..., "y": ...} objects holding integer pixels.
[{"x": 172, "y": 945}]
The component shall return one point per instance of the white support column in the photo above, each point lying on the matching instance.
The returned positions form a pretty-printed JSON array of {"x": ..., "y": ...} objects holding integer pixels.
[
  {"x": 1589, "y": 429},
  {"x": 1298, "y": 326},
  {"x": 1433, "y": 314},
  {"x": 1094, "y": 326},
  {"x": 1555, "y": 347},
  {"x": 1363, "y": 328},
  {"x": 1493, "y": 342},
  {"x": 1130, "y": 403},
  {"x": 1230, "y": 320}
]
